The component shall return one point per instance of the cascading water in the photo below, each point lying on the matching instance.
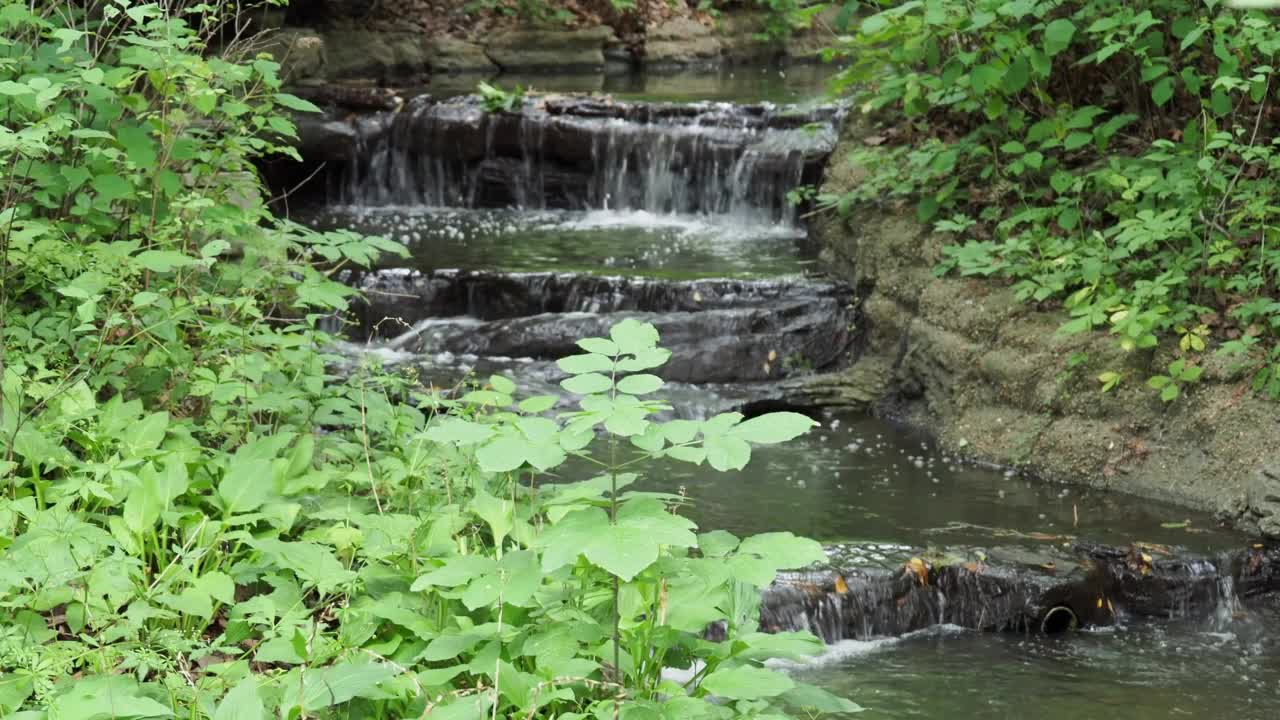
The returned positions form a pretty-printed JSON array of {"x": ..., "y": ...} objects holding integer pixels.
[{"x": 705, "y": 159}]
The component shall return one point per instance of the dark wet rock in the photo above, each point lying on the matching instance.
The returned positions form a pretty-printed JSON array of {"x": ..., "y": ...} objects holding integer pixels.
[
  {"x": 718, "y": 330},
  {"x": 1017, "y": 590},
  {"x": 580, "y": 153}
]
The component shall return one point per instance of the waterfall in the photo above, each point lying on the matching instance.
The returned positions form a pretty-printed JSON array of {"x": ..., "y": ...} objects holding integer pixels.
[{"x": 709, "y": 159}]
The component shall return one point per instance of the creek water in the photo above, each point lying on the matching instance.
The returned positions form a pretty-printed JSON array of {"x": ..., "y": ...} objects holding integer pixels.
[{"x": 505, "y": 287}]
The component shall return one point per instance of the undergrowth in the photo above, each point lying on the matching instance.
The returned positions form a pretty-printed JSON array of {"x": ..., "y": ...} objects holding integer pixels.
[
  {"x": 201, "y": 520},
  {"x": 1115, "y": 159}
]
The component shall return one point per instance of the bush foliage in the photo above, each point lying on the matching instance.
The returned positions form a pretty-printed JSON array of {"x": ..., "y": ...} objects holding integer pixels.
[
  {"x": 201, "y": 520},
  {"x": 1115, "y": 158}
]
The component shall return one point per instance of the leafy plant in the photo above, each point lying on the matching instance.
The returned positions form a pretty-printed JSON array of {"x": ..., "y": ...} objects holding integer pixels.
[
  {"x": 495, "y": 99},
  {"x": 1180, "y": 374},
  {"x": 1108, "y": 157},
  {"x": 202, "y": 520}
]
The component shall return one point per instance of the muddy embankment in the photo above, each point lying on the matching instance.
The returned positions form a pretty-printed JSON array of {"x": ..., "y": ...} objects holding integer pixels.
[{"x": 989, "y": 376}]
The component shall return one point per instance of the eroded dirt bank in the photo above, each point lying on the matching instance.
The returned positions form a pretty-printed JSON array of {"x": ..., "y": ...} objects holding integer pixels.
[{"x": 990, "y": 376}]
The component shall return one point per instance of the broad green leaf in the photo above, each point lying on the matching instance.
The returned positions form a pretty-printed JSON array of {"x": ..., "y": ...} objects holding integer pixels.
[
  {"x": 727, "y": 453},
  {"x": 312, "y": 563},
  {"x": 105, "y": 697},
  {"x": 680, "y": 431},
  {"x": 644, "y": 360},
  {"x": 502, "y": 384},
  {"x": 504, "y": 453},
  {"x": 717, "y": 543},
  {"x": 218, "y": 586},
  {"x": 538, "y": 404},
  {"x": 639, "y": 384},
  {"x": 746, "y": 683},
  {"x": 1058, "y": 35},
  {"x": 633, "y": 336},
  {"x": 515, "y": 580},
  {"x": 456, "y": 571},
  {"x": 812, "y": 699},
  {"x": 457, "y": 430},
  {"x": 339, "y": 683},
  {"x": 588, "y": 384},
  {"x": 242, "y": 703},
  {"x": 164, "y": 260},
  {"x": 581, "y": 364},
  {"x": 786, "y": 645},
  {"x": 295, "y": 103},
  {"x": 773, "y": 428},
  {"x": 153, "y": 495},
  {"x": 498, "y": 513},
  {"x": 246, "y": 485},
  {"x": 1162, "y": 92},
  {"x": 599, "y": 346}
]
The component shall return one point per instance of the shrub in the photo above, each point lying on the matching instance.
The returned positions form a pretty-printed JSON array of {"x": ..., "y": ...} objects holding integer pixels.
[{"x": 1111, "y": 157}]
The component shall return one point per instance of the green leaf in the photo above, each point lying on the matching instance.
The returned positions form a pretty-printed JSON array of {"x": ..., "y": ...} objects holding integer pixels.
[
  {"x": 1058, "y": 35},
  {"x": 599, "y": 346},
  {"x": 245, "y": 486},
  {"x": 312, "y": 563},
  {"x": 983, "y": 78},
  {"x": 502, "y": 384},
  {"x": 11, "y": 88},
  {"x": 339, "y": 683},
  {"x": 632, "y": 336},
  {"x": 295, "y": 103},
  {"x": 1069, "y": 218},
  {"x": 504, "y": 453},
  {"x": 812, "y": 700},
  {"x": 644, "y": 360},
  {"x": 747, "y": 683},
  {"x": 106, "y": 697},
  {"x": 458, "y": 570},
  {"x": 639, "y": 384},
  {"x": 499, "y": 514},
  {"x": 727, "y": 453},
  {"x": 590, "y": 363},
  {"x": 164, "y": 260},
  {"x": 242, "y": 703},
  {"x": 717, "y": 543},
  {"x": 456, "y": 430},
  {"x": 1077, "y": 140},
  {"x": 588, "y": 384},
  {"x": 538, "y": 404},
  {"x": 1170, "y": 393},
  {"x": 773, "y": 428},
  {"x": 1162, "y": 92}
]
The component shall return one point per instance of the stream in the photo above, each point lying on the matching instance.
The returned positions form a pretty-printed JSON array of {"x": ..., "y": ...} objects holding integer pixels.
[{"x": 667, "y": 204}]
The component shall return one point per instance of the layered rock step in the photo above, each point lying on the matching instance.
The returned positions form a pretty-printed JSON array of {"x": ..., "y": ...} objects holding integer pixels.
[
  {"x": 572, "y": 152},
  {"x": 719, "y": 331}
]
